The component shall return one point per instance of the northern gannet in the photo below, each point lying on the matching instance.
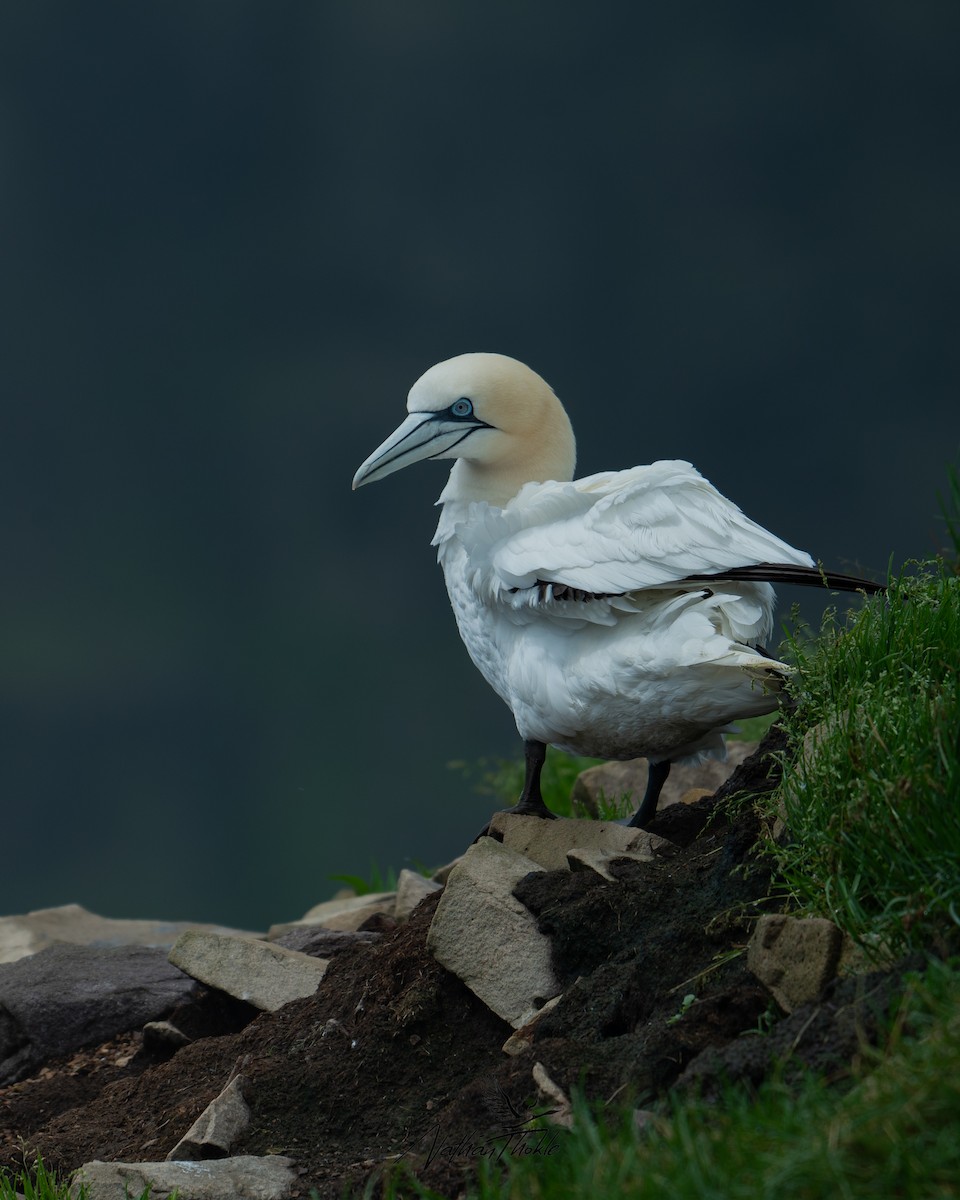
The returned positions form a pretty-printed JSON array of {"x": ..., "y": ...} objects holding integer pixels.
[{"x": 619, "y": 615}]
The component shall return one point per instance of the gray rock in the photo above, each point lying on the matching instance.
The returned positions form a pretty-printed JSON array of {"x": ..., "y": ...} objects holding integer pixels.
[
  {"x": 615, "y": 779},
  {"x": 488, "y": 939},
  {"x": 794, "y": 958},
  {"x": 412, "y": 887},
  {"x": 242, "y": 1178},
  {"x": 548, "y": 843},
  {"x": 65, "y": 997},
  {"x": 70, "y": 923},
  {"x": 323, "y": 943},
  {"x": 343, "y": 913},
  {"x": 442, "y": 874},
  {"x": 163, "y": 1039},
  {"x": 218, "y": 1128},
  {"x": 263, "y": 974},
  {"x": 600, "y": 861}
]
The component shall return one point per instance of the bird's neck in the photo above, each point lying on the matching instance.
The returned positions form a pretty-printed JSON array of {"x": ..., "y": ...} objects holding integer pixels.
[
  {"x": 499, "y": 482},
  {"x": 475, "y": 481}
]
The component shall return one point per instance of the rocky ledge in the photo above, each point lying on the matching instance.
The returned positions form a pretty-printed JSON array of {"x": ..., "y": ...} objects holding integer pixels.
[{"x": 430, "y": 1023}]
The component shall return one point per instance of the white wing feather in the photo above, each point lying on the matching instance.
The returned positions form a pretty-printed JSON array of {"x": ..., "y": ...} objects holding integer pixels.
[{"x": 626, "y": 531}]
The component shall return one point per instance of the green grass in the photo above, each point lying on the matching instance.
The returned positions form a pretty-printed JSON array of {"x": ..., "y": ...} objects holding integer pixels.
[
  {"x": 38, "y": 1184},
  {"x": 873, "y": 802}
]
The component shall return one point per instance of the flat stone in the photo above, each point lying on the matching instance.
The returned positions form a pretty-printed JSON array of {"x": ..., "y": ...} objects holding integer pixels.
[
  {"x": 488, "y": 939},
  {"x": 793, "y": 957},
  {"x": 611, "y": 780},
  {"x": 323, "y": 943},
  {"x": 364, "y": 914},
  {"x": 218, "y": 1128},
  {"x": 547, "y": 843},
  {"x": 412, "y": 887},
  {"x": 164, "y": 1038},
  {"x": 550, "y": 1093},
  {"x": 243, "y": 1178},
  {"x": 72, "y": 924},
  {"x": 343, "y": 913},
  {"x": 65, "y": 997},
  {"x": 264, "y": 975},
  {"x": 580, "y": 859}
]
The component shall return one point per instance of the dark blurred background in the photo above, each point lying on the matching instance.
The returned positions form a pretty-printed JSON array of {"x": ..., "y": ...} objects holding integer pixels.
[{"x": 234, "y": 233}]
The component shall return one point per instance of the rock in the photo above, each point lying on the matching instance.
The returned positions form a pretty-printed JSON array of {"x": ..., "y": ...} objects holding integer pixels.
[
  {"x": 442, "y": 874},
  {"x": 522, "y": 1039},
  {"x": 615, "y": 779},
  {"x": 547, "y": 843},
  {"x": 244, "y": 1178},
  {"x": 163, "y": 1039},
  {"x": 218, "y": 1128},
  {"x": 265, "y": 975},
  {"x": 70, "y": 923},
  {"x": 488, "y": 939},
  {"x": 692, "y": 795},
  {"x": 600, "y": 861},
  {"x": 412, "y": 887},
  {"x": 65, "y": 997},
  {"x": 562, "y": 1112},
  {"x": 323, "y": 943},
  {"x": 794, "y": 958},
  {"x": 344, "y": 913}
]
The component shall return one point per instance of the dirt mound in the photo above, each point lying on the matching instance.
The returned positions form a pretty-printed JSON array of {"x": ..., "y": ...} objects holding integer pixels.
[{"x": 394, "y": 1056}]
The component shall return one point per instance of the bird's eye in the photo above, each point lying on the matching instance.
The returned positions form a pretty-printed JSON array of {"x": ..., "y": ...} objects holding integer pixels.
[{"x": 461, "y": 407}]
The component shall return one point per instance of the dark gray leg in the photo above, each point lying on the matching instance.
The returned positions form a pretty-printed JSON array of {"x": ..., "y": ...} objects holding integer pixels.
[
  {"x": 656, "y": 777},
  {"x": 531, "y": 801}
]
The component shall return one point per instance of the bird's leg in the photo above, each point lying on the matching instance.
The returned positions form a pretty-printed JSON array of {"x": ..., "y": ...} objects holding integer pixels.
[
  {"x": 656, "y": 777},
  {"x": 531, "y": 801}
]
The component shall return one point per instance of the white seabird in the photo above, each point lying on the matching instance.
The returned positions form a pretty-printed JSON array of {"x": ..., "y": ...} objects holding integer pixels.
[{"x": 618, "y": 615}]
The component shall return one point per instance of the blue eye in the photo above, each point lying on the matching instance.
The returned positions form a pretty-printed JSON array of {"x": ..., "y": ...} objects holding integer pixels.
[{"x": 462, "y": 407}]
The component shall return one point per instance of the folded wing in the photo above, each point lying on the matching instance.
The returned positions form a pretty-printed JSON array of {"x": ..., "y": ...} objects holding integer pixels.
[{"x": 630, "y": 530}]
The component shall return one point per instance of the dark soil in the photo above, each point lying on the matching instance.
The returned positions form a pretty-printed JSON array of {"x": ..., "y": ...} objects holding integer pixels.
[{"x": 393, "y": 1056}]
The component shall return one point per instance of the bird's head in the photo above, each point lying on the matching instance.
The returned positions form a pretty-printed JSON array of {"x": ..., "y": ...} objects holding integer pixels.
[{"x": 499, "y": 419}]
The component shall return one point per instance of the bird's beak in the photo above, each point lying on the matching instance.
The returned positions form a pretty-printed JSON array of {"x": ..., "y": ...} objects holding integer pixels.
[{"x": 422, "y": 435}]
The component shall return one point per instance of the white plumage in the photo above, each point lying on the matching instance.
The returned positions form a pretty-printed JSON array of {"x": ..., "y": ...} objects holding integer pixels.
[{"x": 575, "y": 598}]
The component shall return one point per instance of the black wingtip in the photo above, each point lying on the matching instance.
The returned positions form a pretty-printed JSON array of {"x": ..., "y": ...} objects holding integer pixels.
[{"x": 790, "y": 573}]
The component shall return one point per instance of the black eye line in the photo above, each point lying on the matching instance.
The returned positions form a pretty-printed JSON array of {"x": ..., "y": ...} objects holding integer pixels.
[{"x": 471, "y": 418}]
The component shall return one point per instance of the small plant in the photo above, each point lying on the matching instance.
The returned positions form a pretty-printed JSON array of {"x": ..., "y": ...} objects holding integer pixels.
[
  {"x": 503, "y": 779},
  {"x": 377, "y": 882},
  {"x": 685, "y": 1005}
]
